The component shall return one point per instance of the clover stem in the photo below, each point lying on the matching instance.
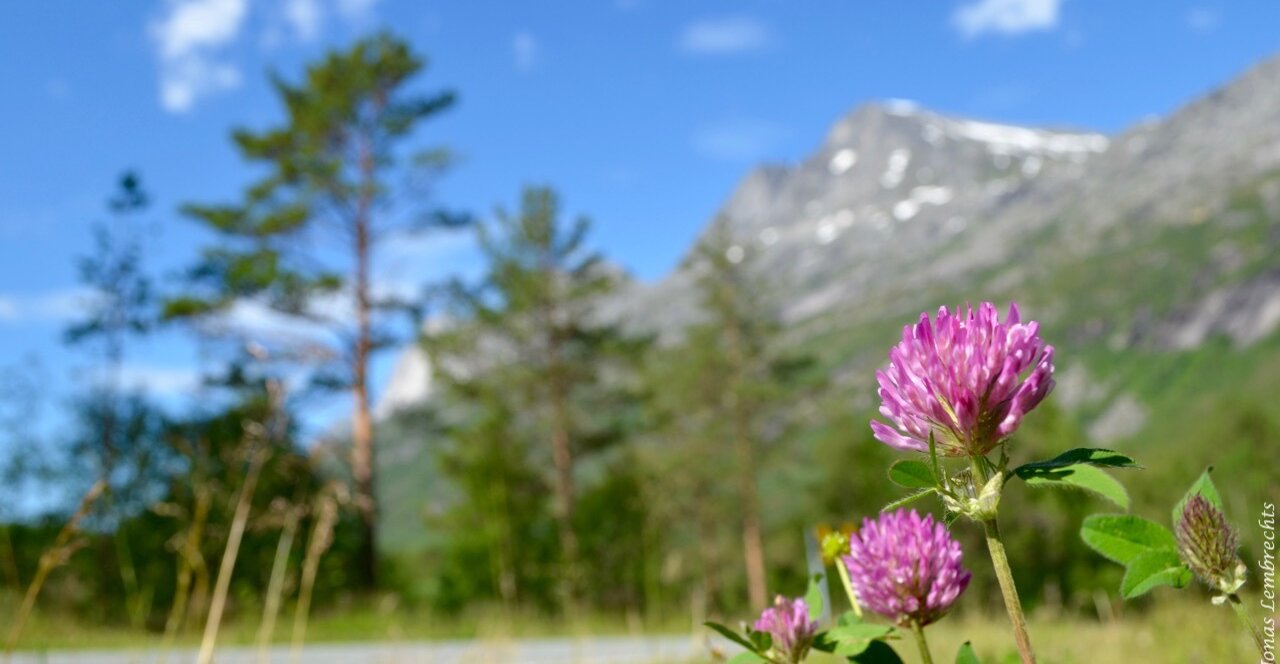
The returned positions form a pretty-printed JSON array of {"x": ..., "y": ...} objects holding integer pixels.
[
  {"x": 1004, "y": 574},
  {"x": 848, "y": 587},
  {"x": 918, "y": 630},
  {"x": 1243, "y": 614}
]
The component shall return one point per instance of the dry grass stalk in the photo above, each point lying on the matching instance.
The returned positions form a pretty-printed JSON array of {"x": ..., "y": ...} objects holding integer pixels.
[
  {"x": 190, "y": 561},
  {"x": 275, "y": 587},
  {"x": 258, "y": 449},
  {"x": 326, "y": 516},
  {"x": 64, "y": 545}
]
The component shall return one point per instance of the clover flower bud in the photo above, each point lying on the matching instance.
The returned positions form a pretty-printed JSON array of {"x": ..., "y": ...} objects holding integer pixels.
[
  {"x": 788, "y": 622},
  {"x": 1208, "y": 545}
]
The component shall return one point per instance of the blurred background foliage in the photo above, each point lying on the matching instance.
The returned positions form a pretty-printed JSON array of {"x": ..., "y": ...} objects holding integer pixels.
[{"x": 570, "y": 466}]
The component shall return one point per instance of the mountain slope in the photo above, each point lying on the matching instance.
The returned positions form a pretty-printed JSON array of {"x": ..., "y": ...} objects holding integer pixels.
[{"x": 1151, "y": 257}]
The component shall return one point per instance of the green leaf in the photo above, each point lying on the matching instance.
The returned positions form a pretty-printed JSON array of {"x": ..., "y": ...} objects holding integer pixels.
[
  {"x": 813, "y": 597},
  {"x": 849, "y": 618},
  {"x": 747, "y": 658},
  {"x": 912, "y": 475},
  {"x": 909, "y": 498},
  {"x": 731, "y": 635},
  {"x": 1156, "y": 567},
  {"x": 853, "y": 638},
  {"x": 1078, "y": 476},
  {"x": 760, "y": 641},
  {"x": 1093, "y": 456},
  {"x": 877, "y": 652},
  {"x": 1123, "y": 537},
  {"x": 966, "y": 655},
  {"x": 1203, "y": 487}
]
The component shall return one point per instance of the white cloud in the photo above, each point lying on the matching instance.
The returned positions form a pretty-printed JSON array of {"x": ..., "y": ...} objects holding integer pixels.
[
  {"x": 738, "y": 139},
  {"x": 1203, "y": 19},
  {"x": 57, "y": 306},
  {"x": 524, "y": 49},
  {"x": 193, "y": 39},
  {"x": 304, "y": 17},
  {"x": 190, "y": 38},
  {"x": 1007, "y": 17},
  {"x": 725, "y": 36},
  {"x": 57, "y": 88},
  {"x": 158, "y": 380},
  {"x": 356, "y": 10}
]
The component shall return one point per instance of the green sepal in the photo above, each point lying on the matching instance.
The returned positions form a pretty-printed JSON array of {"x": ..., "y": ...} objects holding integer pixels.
[
  {"x": 1203, "y": 487},
  {"x": 966, "y": 655}
]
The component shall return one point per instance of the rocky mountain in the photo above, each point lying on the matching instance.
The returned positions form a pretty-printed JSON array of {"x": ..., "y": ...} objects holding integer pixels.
[
  {"x": 1152, "y": 257},
  {"x": 899, "y": 202}
]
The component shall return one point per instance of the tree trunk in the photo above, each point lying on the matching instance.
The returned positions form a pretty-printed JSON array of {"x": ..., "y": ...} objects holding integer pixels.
[
  {"x": 561, "y": 441},
  {"x": 752, "y": 539},
  {"x": 362, "y": 456},
  {"x": 563, "y": 458}
]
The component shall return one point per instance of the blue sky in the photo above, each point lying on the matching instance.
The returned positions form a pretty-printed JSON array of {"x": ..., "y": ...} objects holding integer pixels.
[{"x": 644, "y": 113}]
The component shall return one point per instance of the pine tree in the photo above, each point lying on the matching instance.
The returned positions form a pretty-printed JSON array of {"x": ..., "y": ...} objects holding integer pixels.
[
  {"x": 307, "y": 233},
  {"x": 119, "y": 307},
  {"x": 725, "y": 383},
  {"x": 531, "y": 330}
]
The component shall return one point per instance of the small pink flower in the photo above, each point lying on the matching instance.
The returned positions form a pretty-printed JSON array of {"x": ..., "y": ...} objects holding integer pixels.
[
  {"x": 906, "y": 567},
  {"x": 788, "y": 622}
]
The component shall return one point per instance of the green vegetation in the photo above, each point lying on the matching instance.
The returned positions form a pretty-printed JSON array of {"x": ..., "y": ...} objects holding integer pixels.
[{"x": 571, "y": 474}]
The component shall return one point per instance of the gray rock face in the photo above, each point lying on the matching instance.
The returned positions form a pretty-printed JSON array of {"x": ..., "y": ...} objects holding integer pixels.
[
  {"x": 900, "y": 205},
  {"x": 898, "y": 199}
]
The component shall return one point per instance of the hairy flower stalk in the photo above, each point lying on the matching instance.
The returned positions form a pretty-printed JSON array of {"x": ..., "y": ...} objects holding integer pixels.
[
  {"x": 955, "y": 386},
  {"x": 908, "y": 569},
  {"x": 791, "y": 628}
]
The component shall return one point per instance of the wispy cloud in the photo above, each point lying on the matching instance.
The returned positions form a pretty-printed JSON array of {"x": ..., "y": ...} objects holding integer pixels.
[
  {"x": 57, "y": 306},
  {"x": 356, "y": 10},
  {"x": 524, "y": 50},
  {"x": 159, "y": 380},
  {"x": 1006, "y": 17},
  {"x": 726, "y": 35},
  {"x": 57, "y": 88},
  {"x": 1203, "y": 19},
  {"x": 304, "y": 17},
  {"x": 194, "y": 39},
  {"x": 738, "y": 139},
  {"x": 191, "y": 39}
]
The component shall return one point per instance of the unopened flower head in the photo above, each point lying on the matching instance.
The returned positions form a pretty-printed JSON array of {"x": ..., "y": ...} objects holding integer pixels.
[
  {"x": 788, "y": 622},
  {"x": 834, "y": 545},
  {"x": 1208, "y": 545},
  {"x": 959, "y": 379},
  {"x": 906, "y": 567}
]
